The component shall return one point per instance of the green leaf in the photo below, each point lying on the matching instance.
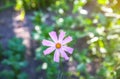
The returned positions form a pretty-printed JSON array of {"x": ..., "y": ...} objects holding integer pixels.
[
  {"x": 7, "y": 74},
  {"x": 8, "y": 53},
  {"x": 6, "y": 62},
  {"x": 81, "y": 67},
  {"x": 22, "y": 75}
]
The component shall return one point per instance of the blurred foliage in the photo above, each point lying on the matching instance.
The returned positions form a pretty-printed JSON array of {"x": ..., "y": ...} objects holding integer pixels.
[
  {"x": 4, "y": 4},
  {"x": 32, "y": 4},
  {"x": 101, "y": 30},
  {"x": 14, "y": 58},
  {"x": 94, "y": 22}
]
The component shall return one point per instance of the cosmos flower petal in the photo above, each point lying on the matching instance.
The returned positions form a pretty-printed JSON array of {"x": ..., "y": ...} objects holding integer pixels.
[
  {"x": 56, "y": 55},
  {"x": 49, "y": 50},
  {"x": 61, "y": 36},
  {"x": 53, "y": 35},
  {"x": 67, "y": 40},
  {"x": 59, "y": 45},
  {"x": 47, "y": 43},
  {"x": 63, "y": 54},
  {"x": 68, "y": 49}
]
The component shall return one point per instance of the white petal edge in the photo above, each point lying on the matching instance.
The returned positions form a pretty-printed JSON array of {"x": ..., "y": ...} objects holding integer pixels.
[
  {"x": 68, "y": 49},
  {"x": 53, "y": 36},
  {"x": 61, "y": 36},
  {"x": 67, "y": 40},
  {"x": 56, "y": 56},
  {"x": 63, "y": 54},
  {"x": 47, "y": 43},
  {"x": 49, "y": 50}
]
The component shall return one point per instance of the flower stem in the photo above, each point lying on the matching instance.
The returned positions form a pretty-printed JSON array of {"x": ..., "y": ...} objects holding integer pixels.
[{"x": 60, "y": 74}]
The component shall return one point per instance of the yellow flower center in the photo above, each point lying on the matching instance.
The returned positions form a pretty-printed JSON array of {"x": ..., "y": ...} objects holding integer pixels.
[{"x": 58, "y": 45}]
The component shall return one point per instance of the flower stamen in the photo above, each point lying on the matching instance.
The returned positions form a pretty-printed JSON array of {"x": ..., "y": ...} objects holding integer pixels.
[{"x": 58, "y": 45}]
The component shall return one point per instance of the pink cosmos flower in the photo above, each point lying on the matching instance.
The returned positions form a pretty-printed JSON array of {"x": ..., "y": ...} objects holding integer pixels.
[{"x": 59, "y": 45}]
